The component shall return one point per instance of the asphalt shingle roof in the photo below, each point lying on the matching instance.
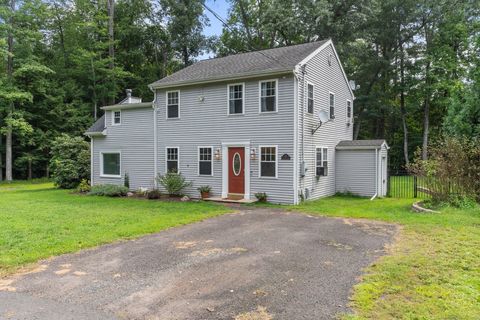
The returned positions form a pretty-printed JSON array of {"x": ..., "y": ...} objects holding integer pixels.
[
  {"x": 361, "y": 143},
  {"x": 249, "y": 63},
  {"x": 98, "y": 126}
]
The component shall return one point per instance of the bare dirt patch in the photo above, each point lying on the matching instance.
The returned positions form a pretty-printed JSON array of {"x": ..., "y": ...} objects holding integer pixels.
[{"x": 259, "y": 314}]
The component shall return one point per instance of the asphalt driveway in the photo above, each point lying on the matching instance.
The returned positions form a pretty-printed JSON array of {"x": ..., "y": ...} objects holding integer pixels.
[{"x": 261, "y": 263}]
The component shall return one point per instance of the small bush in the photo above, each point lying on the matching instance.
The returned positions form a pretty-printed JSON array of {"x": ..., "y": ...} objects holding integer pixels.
[
  {"x": 126, "y": 181},
  {"x": 174, "y": 183},
  {"x": 108, "y": 190},
  {"x": 261, "y": 196},
  {"x": 153, "y": 194},
  {"x": 205, "y": 189},
  {"x": 84, "y": 186}
]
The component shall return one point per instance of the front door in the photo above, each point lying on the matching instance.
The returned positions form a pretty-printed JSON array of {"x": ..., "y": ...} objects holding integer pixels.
[{"x": 236, "y": 171}]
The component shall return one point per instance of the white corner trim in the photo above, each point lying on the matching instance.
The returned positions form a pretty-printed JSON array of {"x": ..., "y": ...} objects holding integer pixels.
[
  {"x": 260, "y": 160},
  {"x": 166, "y": 104},
  {"x": 243, "y": 98},
  {"x": 198, "y": 161},
  {"x": 295, "y": 141},
  {"x": 107, "y": 151},
  {"x": 260, "y": 96}
]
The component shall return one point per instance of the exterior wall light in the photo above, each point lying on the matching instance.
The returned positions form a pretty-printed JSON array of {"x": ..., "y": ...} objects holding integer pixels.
[
  {"x": 253, "y": 154},
  {"x": 217, "y": 154}
]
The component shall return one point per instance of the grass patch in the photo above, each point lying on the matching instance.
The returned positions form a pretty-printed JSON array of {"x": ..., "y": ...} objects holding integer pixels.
[
  {"x": 432, "y": 271},
  {"x": 38, "y": 221}
]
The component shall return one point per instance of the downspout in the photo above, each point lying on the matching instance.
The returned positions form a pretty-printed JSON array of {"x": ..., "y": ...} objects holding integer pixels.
[
  {"x": 91, "y": 161},
  {"x": 376, "y": 175},
  {"x": 155, "y": 138},
  {"x": 295, "y": 141}
]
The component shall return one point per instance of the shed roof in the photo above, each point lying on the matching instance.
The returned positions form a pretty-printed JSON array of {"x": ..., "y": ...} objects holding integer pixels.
[
  {"x": 362, "y": 144},
  {"x": 283, "y": 59},
  {"x": 97, "y": 127}
]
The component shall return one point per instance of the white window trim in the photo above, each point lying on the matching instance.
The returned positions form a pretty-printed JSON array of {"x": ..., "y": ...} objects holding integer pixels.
[
  {"x": 166, "y": 158},
  {"x": 113, "y": 118},
  {"x": 198, "y": 161},
  {"x": 334, "y": 103},
  {"x": 306, "y": 97},
  {"x": 315, "y": 157},
  {"x": 166, "y": 104},
  {"x": 260, "y": 95},
  {"x": 260, "y": 161},
  {"x": 351, "y": 110},
  {"x": 102, "y": 175},
  {"x": 243, "y": 98}
]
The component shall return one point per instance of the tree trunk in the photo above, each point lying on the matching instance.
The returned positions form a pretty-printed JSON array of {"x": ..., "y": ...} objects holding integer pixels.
[
  {"x": 426, "y": 124},
  {"x": 47, "y": 170},
  {"x": 8, "y": 151},
  {"x": 403, "y": 110},
  {"x": 29, "y": 169},
  {"x": 111, "y": 45}
]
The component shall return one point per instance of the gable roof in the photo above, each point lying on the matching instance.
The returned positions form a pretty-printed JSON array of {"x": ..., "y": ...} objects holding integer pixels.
[
  {"x": 362, "y": 144},
  {"x": 270, "y": 61},
  {"x": 97, "y": 127}
]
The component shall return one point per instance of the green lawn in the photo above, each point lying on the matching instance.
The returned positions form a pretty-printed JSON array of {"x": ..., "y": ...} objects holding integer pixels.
[
  {"x": 38, "y": 221},
  {"x": 432, "y": 271}
]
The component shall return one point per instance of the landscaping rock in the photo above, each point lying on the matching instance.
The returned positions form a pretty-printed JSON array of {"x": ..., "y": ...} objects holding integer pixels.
[
  {"x": 185, "y": 198},
  {"x": 417, "y": 207},
  {"x": 130, "y": 194}
]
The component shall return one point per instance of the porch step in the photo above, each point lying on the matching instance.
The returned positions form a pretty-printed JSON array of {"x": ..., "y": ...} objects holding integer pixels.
[{"x": 228, "y": 200}]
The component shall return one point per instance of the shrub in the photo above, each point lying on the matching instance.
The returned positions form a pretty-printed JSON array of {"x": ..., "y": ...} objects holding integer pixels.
[
  {"x": 84, "y": 186},
  {"x": 174, "y": 183},
  {"x": 261, "y": 196},
  {"x": 108, "y": 190},
  {"x": 153, "y": 194},
  {"x": 204, "y": 189},
  {"x": 70, "y": 162},
  {"x": 126, "y": 181}
]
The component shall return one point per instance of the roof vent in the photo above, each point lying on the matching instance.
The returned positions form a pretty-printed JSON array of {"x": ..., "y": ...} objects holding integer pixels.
[{"x": 129, "y": 93}]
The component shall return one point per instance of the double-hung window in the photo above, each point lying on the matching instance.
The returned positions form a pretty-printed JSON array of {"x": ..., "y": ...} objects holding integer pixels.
[
  {"x": 235, "y": 98},
  {"x": 332, "y": 106},
  {"x": 173, "y": 104},
  {"x": 172, "y": 159},
  {"x": 268, "y": 96},
  {"x": 110, "y": 166},
  {"x": 321, "y": 164},
  {"x": 349, "y": 109},
  {"x": 205, "y": 161},
  {"x": 117, "y": 117},
  {"x": 268, "y": 161},
  {"x": 310, "y": 103}
]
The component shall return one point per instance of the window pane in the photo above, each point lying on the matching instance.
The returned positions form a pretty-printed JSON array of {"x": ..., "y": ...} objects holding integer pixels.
[
  {"x": 172, "y": 166},
  {"x": 173, "y": 111},
  {"x": 236, "y": 106},
  {"x": 111, "y": 163},
  {"x": 205, "y": 167},
  {"x": 332, "y": 106},
  {"x": 268, "y": 169}
]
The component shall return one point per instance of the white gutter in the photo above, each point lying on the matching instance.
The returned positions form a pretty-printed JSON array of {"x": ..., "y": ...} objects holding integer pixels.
[
  {"x": 376, "y": 174},
  {"x": 295, "y": 139}
]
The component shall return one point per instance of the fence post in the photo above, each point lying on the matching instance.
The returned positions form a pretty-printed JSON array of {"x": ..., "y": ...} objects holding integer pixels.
[{"x": 414, "y": 186}]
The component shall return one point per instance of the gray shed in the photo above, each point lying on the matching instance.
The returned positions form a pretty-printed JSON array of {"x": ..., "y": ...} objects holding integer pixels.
[{"x": 361, "y": 167}]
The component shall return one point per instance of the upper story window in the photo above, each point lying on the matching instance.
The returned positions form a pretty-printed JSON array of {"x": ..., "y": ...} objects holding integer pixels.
[
  {"x": 205, "y": 161},
  {"x": 117, "y": 117},
  {"x": 110, "y": 166},
  {"x": 310, "y": 104},
  {"x": 235, "y": 98},
  {"x": 349, "y": 109},
  {"x": 321, "y": 164},
  {"x": 268, "y": 96},
  {"x": 173, "y": 104},
  {"x": 268, "y": 161},
  {"x": 172, "y": 159},
  {"x": 332, "y": 106}
]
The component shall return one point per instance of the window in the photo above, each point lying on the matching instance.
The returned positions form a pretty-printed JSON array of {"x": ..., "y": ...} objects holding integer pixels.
[
  {"x": 349, "y": 109},
  {"x": 172, "y": 159},
  {"x": 235, "y": 99},
  {"x": 173, "y": 102},
  {"x": 332, "y": 106},
  {"x": 268, "y": 161},
  {"x": 110, "y": 164},
  {"x": 321, "y": 164},
  {"x": 205, "y": 161},
  {"x": 117, "y": 119},
  {"x": 310, "y": 98},
  {"x": 268, "y": 96}
]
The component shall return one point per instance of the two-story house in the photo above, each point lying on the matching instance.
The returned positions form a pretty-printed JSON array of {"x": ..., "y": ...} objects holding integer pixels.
[{"x": 265, "y": 121}]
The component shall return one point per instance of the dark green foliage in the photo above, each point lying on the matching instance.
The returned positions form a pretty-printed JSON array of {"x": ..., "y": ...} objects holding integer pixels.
[
  {"x": 153, "y": 194},
  {"x": 84, "y": 186},
  {"x": 204, "y": 189},
  {"x": 174, "y": 183},
  {"x": 261, "y": 196},
  {"x": 108, "y": 190},
  {"x": 70, "y": 162},
  {"x": 126, "y": 181}
]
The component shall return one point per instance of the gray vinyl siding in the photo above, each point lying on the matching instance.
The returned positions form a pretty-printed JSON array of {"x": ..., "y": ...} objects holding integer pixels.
[
  {"x": 206, "y": 123},
  {"x": 356, "y": 172},
  {"x": 325, "y": 79},
  {"x": 134, "y": 138}
]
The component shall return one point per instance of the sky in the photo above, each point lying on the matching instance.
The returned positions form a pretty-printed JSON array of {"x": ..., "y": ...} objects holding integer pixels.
[{"x": 215, "y": 28}]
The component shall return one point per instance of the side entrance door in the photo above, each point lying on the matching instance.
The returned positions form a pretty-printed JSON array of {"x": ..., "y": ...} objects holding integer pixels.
[{"x": 236, "y": 172}]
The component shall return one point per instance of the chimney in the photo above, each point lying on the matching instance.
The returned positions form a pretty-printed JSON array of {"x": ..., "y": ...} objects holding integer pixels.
[{"x": 129, "y": 93}]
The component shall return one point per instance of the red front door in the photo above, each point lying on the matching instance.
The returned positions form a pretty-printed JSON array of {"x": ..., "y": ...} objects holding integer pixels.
[{"x": 236, "y": 170}]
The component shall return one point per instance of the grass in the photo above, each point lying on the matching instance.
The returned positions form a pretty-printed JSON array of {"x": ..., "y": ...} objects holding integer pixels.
[
  {"x": 431, "y": 272},
  {"x": 38, "y": 221}
]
